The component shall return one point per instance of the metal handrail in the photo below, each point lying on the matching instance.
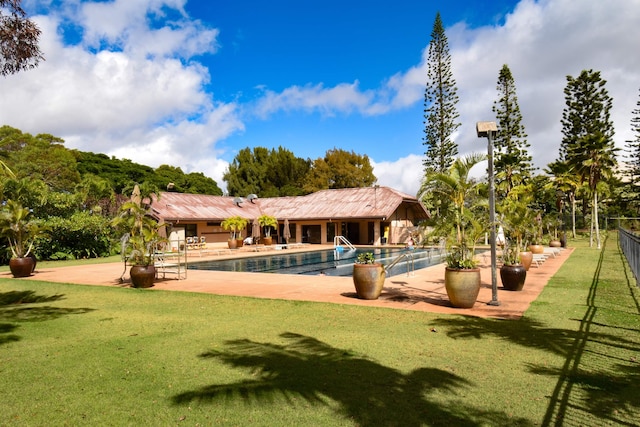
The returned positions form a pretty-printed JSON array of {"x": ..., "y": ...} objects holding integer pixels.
[
  {"x": 410, "y": 264},
  {"x": 338, "y": 239},
  {"x": 630, "y": 245}
]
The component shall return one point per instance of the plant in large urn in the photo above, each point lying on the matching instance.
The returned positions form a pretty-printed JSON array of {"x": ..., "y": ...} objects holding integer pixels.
[
  {"x": 461, "y": 221},
  {"x": 512, "y": 272},
  {"x": 20, "y": 231},
  {"x": 267, "y": 222},
  {"x": 518, "y": 220},
  {"x": 234, "y": 225},
  {"x": 142, "y": 238},
  {"x": 368, "y": 276}
]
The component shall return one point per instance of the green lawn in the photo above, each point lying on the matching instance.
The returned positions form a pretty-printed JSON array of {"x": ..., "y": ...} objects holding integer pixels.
[{"x": 83, "y": 355}]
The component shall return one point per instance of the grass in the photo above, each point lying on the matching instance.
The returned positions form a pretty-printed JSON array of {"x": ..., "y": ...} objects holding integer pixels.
[{"x": 86, "y": 355}]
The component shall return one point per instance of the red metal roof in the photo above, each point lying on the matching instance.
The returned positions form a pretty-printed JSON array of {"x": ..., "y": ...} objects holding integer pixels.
[{"x": 348, "y": 203}]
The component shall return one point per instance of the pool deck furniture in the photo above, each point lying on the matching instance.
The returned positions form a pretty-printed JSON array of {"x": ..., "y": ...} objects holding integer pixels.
[{"x": 423, "y": 291}]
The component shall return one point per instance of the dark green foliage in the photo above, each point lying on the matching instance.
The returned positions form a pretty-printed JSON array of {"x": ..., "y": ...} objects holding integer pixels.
[
  {"x": 588, "y": 145},
  {"x": 82, "y": 235},
  {"x": 340, "y": 169},
  {"x": 440, "y": 99},
  {"x": 267, "y": 173},
  {"x": 633, "y": 159},
  {"x": 118, "y": 172},
  {"x": 512, "y": 160},
  {"x": 42, "y": 157}
]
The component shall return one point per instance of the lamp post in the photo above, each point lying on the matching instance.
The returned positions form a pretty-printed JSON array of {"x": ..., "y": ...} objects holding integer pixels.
[{"x": 489, "y": 130}]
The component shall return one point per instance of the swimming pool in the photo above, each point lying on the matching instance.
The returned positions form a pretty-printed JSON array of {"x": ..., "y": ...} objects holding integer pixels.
[{"x": 329, "y": 262}]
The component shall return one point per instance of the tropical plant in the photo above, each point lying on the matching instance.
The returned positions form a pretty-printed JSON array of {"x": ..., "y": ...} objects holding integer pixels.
[
  {"x": 518, "y": 217},
  {"x": 511, "y": 254},
  {"x": 267, "y": 222},
  {"x": 18, "y": 228},
  {"x": 462, "y": 223},
  {"x": 234, "y": 224},
  {"x": 365, "y": 258},
  {"x": 141, "y": 229}
]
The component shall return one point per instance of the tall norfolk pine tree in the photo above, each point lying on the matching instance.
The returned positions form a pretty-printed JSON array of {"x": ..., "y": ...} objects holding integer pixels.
[
  {"x": 440, "y": 99},
  {"x": 512, "y": 159},
  {"x": 587, "y": 144},
  {"x": 633, "y": 156}
]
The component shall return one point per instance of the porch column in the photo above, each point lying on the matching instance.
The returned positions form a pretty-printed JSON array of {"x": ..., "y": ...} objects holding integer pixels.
[
  {"x": 298, "y": 233},
  {"x": 376, "y": 233}
]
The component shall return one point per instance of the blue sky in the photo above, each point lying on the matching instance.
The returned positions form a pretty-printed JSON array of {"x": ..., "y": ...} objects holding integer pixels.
[{"x": 190, "y": 83}]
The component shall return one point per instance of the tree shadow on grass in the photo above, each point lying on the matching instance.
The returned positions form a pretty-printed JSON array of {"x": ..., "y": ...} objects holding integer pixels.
[
  {"x": 20, "y": 306},
  {"x": 367, "y": 392}
]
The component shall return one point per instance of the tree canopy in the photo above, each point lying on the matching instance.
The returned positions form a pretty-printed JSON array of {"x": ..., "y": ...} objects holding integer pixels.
[
  {"x": 19, "y": 37},
  {"x": 340, "y": 169}
]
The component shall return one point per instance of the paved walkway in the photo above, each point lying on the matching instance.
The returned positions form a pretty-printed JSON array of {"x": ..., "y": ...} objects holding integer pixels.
[{"x": 422, "y": 291}]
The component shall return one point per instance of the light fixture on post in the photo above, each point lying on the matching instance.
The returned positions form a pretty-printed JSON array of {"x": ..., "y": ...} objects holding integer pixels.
[{"x": 489, "y": 130}]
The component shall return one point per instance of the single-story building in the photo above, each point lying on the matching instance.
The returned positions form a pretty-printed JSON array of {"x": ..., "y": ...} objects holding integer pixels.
[{"x": 370, "y": 215}]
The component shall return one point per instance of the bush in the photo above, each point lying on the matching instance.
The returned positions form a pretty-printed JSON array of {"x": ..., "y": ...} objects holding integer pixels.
[{"x": 83, "y": 235}]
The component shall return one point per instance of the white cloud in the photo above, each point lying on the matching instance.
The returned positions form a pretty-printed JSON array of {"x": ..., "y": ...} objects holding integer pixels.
[
  {"x": 138, "y": 98},
  {"x": 404, "y": 174}
]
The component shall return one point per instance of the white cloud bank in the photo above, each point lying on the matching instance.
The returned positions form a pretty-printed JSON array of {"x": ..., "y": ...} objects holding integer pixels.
[{"x": 131, "y": 89}]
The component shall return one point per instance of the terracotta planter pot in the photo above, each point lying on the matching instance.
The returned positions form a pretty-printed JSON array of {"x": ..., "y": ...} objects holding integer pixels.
[
  {"x": 21, "y": 267},
  {"x": 526, "y": 258},
  {"x": 267, "y": 240},
  {"x": 368, "y": 280},
  {"x": 232, "y": 243},
  {"x": 463, "y": 286},
  {"x": 536, "y": 249},
  {"x": 239, "y": 243},
  {"x": 513, "y": 277},
  {"x": 555, "y": 244},
  {"x": 142, "y": 276}
]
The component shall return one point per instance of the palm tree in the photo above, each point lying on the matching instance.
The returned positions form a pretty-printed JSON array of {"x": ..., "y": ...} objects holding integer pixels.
[
  {"x": 459, "y": 222},
  {"x": 595, "y": 162},
  {"x": 566, "y": 181}
]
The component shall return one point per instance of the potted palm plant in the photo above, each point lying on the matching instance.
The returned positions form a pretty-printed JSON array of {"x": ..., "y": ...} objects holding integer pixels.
[
  {"x": 512, "y": 273},
  {"x": 368, "y": 276},
  {"x": 518, "y": 220},
  {"x": 461, "y": 224},
  {"x": 20, "y": 231},
  {"x": 143, "y": 237},
  {"x": 234, "y": 225},
  {"x": 267, "y": 222}
]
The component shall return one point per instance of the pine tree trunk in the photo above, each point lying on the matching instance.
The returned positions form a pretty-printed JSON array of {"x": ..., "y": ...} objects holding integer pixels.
[{"x": 595, "y": 215}]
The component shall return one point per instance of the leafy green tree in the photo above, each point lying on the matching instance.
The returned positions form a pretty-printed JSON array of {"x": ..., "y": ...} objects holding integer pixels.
[
  {"x": 512, "y": 159},
  {"x": 267, "y": 173},
  {"x": 340, "y": 169},
  {"x": 19, "y": 38},
  {"x": 440, "y": 99},
  {"x": 46, "y": 159},
  {"x": 567, "y": 183},
  {"x": 587, "y": 143},
  {"x": 633, "y": 155}
]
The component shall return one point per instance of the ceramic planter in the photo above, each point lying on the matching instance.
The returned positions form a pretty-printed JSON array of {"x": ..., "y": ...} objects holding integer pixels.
[
  {"x": 267, "y": 240},
  {"x": 462, "y": 285},
  {"x": 368, "y": 280},
  {"x": 526, "y": 258},
  {"x": 536, "y": 249},
  {"x": 21, "y": 267},
  {"x": 142, "y": 276},
  {"x": 513, "y": 277}
]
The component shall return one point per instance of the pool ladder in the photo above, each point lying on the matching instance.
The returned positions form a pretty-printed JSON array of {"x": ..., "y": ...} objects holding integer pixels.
[
  {"x": 341, "y": 239},
  {"x": 410, "y": 266}
]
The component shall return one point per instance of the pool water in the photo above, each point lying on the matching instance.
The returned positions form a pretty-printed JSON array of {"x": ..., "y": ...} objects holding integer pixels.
[{"x": 329, "y": 262}]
